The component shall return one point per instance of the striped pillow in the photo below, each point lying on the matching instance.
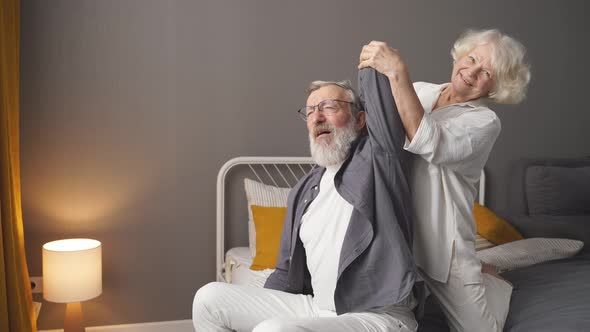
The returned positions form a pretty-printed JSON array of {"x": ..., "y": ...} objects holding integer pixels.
[
  {"x": 482, "y": 243},
  {"x": 523, "y": 253},
  {"x": 261, "y": 194}
]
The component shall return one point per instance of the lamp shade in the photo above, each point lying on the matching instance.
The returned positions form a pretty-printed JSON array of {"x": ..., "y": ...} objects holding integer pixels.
[{"x": 72, "y": 270}]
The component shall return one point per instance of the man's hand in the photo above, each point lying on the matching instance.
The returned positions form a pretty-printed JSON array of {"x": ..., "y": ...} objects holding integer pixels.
[{"x": 381, "y": 57}]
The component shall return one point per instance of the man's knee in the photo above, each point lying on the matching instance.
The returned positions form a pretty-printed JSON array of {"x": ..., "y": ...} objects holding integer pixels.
[
  {"x": 209, "y": 292},
  {"x": 206, "y": 300},
  {"x": 278, "y": 325}
]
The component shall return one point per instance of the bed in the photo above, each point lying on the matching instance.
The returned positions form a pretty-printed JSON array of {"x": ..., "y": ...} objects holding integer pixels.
[{"x": 552, "y": 296}]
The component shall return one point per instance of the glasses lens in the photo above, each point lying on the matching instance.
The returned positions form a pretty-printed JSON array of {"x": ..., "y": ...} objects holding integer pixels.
[{"x": 329, "y": 106}]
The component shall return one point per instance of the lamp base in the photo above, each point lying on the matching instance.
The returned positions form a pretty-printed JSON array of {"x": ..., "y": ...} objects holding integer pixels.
[{"x": 74, "y": 321}]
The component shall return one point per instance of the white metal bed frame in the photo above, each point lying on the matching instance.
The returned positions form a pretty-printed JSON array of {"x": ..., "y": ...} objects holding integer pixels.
[{"x": 304, "y": 164}]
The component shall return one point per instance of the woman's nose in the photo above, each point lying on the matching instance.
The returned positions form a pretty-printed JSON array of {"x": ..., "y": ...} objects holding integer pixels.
[{"x": 473, "y": 71}]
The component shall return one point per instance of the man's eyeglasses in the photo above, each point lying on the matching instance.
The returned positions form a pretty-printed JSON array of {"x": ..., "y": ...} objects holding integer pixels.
[{"x": 327, "y": 106}]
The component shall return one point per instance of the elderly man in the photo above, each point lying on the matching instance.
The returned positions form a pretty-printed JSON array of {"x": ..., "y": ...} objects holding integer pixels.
[{"x": 345, "y": 261}]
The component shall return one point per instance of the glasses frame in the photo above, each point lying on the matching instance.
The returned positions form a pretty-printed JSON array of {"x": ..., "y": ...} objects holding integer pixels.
[{"x": 303, "y": 110}]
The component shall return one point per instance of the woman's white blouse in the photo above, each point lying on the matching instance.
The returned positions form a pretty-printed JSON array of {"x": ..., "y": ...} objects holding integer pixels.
[{"x": 452, "y": 146}]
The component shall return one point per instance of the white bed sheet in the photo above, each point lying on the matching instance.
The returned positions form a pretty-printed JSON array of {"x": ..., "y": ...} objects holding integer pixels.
[{"x": 237, "y": 267}]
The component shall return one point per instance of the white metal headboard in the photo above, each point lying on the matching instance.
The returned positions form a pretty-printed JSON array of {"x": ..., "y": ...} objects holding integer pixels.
[
  {"x": 268, "y": 167},
  {"x": 276, "y": 175},
  {"x": 482, "y": 188}
]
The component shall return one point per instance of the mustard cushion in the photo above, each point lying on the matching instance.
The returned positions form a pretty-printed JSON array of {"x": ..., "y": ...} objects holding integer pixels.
[
  {"x": 494, "y": 228},
  {"x": 268, "y": 222}
]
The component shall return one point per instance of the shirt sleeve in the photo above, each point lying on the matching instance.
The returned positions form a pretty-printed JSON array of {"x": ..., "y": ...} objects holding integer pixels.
[
  {"x": 462, "y": 143},
  {"x": 418, "y": 86},
  {"x": 384, "y": 125}
]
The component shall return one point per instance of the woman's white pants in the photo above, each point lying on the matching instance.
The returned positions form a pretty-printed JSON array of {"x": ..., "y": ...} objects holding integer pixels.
[
  {"x": 226, "y": 307},
  {"x": 480, "y": 307}
]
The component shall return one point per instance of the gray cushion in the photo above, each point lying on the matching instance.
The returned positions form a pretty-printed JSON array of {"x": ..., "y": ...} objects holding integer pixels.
[
  {"x": 552, "y": 190},
  {"x": 566, "y": 227}
]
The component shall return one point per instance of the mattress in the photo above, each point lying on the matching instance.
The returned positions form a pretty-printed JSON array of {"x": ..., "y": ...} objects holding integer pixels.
[
  {"x": 551, "y": 297},
  {"x": 237, "y": 267}
]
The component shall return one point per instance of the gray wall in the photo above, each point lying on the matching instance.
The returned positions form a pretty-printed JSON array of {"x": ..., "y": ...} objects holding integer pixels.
[{"x": 129, "y": 108}]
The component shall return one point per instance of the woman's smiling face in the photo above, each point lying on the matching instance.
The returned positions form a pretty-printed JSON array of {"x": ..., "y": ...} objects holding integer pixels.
[{"x": 473, "y": 77}]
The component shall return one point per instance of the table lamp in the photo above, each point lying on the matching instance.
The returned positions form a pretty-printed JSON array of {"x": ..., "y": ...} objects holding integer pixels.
[{"x": 72, "y": 272}]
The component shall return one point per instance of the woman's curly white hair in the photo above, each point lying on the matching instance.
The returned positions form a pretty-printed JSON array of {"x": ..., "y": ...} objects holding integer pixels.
[{"x": 510, "y": 71}]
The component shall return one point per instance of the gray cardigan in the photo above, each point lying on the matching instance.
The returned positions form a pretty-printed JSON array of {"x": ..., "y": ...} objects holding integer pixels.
[{"x": 376, "y": 266}]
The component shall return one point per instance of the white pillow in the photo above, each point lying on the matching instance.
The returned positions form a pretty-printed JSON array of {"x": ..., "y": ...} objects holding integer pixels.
[
  {"x": 262, "y": 195},
  {"x": 482, "y": 243},
  {"x": 523, "y": 253}
]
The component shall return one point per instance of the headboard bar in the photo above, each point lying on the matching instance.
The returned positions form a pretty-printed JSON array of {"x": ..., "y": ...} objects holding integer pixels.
[{"x": 482, "y": 188}]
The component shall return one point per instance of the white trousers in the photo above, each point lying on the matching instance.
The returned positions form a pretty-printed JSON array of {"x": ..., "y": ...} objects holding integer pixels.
[
  {"x": 471, "y": 307},
  {"x": 226, "y": 307}
]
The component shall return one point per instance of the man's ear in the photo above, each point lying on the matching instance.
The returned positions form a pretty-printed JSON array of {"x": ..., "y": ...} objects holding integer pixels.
[{"x": 360, "y": 120}]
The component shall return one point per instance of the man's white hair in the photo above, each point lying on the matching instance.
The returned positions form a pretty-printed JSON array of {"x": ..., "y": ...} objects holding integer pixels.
[
  {"x": 355, "y": 107},
  {"x": 510, "y": 72}
]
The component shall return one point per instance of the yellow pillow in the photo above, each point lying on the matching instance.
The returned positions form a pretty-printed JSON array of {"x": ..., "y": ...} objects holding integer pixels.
[
  {"x": 268, "y": 222},
  {"x": 492, "y": 227}
]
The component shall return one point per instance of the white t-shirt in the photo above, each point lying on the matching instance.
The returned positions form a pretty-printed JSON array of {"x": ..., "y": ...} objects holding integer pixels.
[{"x": 323, "y": 227}]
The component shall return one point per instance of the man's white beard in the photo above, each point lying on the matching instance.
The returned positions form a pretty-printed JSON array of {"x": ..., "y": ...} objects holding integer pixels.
[{"x": 337, "y": 149}]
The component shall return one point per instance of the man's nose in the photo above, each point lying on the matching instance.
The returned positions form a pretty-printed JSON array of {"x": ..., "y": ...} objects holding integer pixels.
[{"x": 317, "y": 116}]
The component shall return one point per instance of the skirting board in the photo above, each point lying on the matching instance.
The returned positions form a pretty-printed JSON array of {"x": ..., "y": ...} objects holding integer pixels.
[{"x": 171, "y": 326}]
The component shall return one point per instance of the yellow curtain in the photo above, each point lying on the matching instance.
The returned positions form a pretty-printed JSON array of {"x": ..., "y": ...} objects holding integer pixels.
[{"x": 16, "y": 302}]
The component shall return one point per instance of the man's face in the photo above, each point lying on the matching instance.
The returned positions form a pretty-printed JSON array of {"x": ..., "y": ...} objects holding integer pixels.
[
  {"x": 332, "y": 131},
  {"x": 320, "y": 125}
]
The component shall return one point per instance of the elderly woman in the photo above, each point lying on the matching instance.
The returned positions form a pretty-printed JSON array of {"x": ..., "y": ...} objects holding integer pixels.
[{"x": 451, "y": 131}]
